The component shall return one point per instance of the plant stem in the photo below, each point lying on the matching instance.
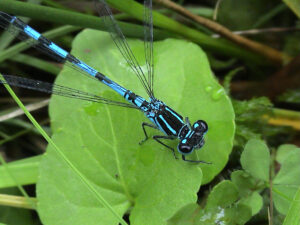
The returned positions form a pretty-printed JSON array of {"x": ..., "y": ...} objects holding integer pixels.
[
  {"x": 61, "y": 16},
  {"x": 271, "y": 54},
  {"x": 17, "y": 201},
  {"x": 283, "y": 117}
]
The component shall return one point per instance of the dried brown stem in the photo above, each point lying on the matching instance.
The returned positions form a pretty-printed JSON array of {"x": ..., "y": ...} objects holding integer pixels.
[{"x": 273, "y": 55}]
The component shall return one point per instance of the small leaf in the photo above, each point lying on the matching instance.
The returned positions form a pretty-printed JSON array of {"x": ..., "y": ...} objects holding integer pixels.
[
  {"x": 185, "y": 215},
  {"x": 287, "y": 181},
  {"x": 254, "y": 201},
  {"x": 238, "y": 214},
  {"x": 283, "y": 152},
  {"x": 243, "y": 181},
  {"x": 235, "y": 214},
  {"x": 223, "y": 194},
  {"x": 293, "y": 215},
  {"x": 255, "y": 159}
]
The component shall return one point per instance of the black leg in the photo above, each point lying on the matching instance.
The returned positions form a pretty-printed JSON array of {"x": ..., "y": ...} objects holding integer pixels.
[
  {"x": 146, "y": 135},
  {"x": 194, "y": 161},
  {"x": 157, "y": 137}
]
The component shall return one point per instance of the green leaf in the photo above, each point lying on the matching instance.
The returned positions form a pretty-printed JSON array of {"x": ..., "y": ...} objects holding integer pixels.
[
  {"x": 102, "y": 141},
  {"x": 247, "y": 187},
  {"x": 293, "y": 216},
  {"x": 221, "y": 208},
  {"x": 224, "y": 194},
  {"x": 254, "y": 201},
  {"x": 294, "y": 6},
  {"x": 185, "y": 216},
  {"x": 243, "y": 181},
  {"x": 283, "y": 152},
  {"x": 192, "y": 214},
  {"x": 25, "y": 172},
  {"x": 238, "y": 214},
  {"x": 292, "y": 95},
  {"x": 255, "y": 159},
  {"x": 287, "y": 181}
]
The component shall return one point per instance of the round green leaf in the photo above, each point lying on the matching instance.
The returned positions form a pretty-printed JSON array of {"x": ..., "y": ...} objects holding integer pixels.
[
  {"x": 293, "y": 216},
  {"x": 223, "y": 195},
  {"x": 287, "y": 181},
  {"x": 283, "y": 152},
  {"x": 243, "y": 181},
  {"x": 255, "y": 159},
  {"x": 254, "y": 201},
  {"x": 102, "y": 141}
]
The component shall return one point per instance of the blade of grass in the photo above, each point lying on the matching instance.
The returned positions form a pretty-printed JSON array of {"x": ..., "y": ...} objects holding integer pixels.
[
  {"x": 12, "y": 51},
  {"x": 82, "y": 178},
  {"x": 16, "y": 183},
  {"x": 36, "y": 63},
  {"x": 61, "y": 16},
  {"x": 220, "y": 46},
  {"x": 269, "y": 15},
  {"x": 25, "y": 172},
  {"x": 134, "y": 9}
]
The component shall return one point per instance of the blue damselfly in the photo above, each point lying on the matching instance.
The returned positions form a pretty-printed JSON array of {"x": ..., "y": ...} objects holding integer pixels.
[{"x": 163, "y": 117}]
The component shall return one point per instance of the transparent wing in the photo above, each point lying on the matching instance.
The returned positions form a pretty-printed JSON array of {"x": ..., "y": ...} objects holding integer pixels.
[
  {"x": 121, "y": 43},
  {"x": 18, "y": 28},
  {"x": 41, "y": 44},
  {"x": 60, "y": 90},
  {"x": 148, "y": 42}
]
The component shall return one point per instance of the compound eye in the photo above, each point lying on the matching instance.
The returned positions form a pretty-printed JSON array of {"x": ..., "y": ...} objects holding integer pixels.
[
  {"x": 184, "y": 148},
  {"x": 200, "y": 127}
]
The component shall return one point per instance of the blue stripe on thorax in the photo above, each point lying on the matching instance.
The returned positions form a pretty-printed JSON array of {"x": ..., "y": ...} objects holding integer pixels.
[
  {"x": 167, "y": 108},
  {"x": 169, "y": 127}
]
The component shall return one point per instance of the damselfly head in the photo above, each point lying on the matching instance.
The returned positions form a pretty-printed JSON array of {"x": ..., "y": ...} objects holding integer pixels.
[{"x": 194, "y": 139}]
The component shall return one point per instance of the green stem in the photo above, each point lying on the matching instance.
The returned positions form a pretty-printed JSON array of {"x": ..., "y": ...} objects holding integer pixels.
[
  {"x": 289, "y": 114},
  {"x": 134, "y": 9},
  {"x": 16, "y": 183},
  {"x": 61, "y": 16},
  {"x": 37, "y": 63},
  {"x": 17, "y": 201},
  {"x": 220, "y": 46},
  {"x": 83, "y": 179}
]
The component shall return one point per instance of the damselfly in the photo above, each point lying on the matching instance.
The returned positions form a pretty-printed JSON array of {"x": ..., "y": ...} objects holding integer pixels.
[{"x": 163, "y": 117}]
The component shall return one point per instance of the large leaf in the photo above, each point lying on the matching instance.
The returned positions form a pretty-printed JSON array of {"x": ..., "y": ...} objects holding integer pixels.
[{"x": 102, "y": 141}]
